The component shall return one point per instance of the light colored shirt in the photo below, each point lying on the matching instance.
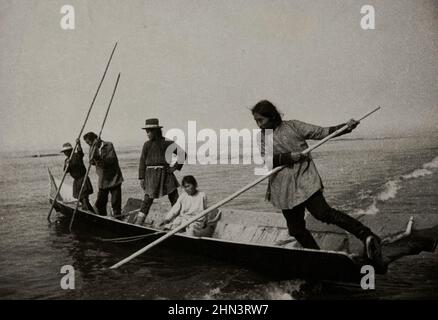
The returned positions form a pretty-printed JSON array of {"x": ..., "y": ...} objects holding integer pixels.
[
  {"x": 296, "y": 183},
  {"x": 187, "y": 207}
]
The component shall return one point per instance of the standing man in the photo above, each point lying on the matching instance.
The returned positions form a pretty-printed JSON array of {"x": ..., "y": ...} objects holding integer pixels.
[
  {"x": 108, "y": 171},
  {"x": 156, "y": 175},
  {"x": 77, "y": 171}
]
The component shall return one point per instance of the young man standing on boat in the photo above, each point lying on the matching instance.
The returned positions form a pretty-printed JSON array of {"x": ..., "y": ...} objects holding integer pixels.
[
  {"x": 156, "y": 176},
  {"x": 298, "y": 186},
  {"x": 110, "y": 176},
  {"x": 75, "y": 166}
]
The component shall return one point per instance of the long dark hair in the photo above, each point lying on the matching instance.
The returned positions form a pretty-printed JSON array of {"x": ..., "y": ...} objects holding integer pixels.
[
  {"x": 189, "y": 180},
  {"x": 158, "y": 133},
  {"x": 266, "y": 109}
]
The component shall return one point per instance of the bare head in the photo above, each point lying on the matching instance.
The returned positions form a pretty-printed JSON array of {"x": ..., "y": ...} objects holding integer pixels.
[
  {"x": 89, "y": 138},
  {"x": 266, "y": 115},
  {"x": 190, "y": 185}
]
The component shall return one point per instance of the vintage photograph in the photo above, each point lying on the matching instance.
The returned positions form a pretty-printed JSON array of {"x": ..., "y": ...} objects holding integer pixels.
[{"x": 218, "y": 150}]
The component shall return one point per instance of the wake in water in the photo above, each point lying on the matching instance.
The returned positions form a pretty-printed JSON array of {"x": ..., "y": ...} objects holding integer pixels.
[
  {"x": 391, "y": 187},
  {"x": 283, "y": 290}
]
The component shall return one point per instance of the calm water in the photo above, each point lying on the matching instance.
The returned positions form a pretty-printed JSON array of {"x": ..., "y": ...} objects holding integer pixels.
[{"x": 372, "y": 176}]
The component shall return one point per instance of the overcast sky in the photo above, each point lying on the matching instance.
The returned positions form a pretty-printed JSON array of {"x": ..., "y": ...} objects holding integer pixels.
[{"x": 210, "y": 61}]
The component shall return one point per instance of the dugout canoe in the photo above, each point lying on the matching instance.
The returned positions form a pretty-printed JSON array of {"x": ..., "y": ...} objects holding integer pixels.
[{"x": 245, "y": 238}]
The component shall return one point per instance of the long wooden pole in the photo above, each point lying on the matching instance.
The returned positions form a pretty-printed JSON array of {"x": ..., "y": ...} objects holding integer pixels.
[
  {"x": 80, "y": 133},
  {"x": 93, "y": 148},
  {"x": 229, "y": 198}
]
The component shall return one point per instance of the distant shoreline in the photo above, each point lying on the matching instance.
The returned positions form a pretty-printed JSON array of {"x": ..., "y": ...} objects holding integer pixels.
[
  {"x": 43, "y": 155},
  {"x": 53, "y": 153}
]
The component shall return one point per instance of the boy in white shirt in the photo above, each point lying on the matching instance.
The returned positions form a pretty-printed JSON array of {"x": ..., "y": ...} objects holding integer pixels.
[{"x": 189, "y": 204}]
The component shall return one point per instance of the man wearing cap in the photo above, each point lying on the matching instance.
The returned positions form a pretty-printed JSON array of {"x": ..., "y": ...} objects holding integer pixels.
[
  {"x": 75, "y": 166},
  {"x": 156, "y": 175},
  {"x": 110, "y": 178}
]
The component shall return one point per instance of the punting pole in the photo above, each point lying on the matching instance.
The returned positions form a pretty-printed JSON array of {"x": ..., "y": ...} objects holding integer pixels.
[
  {"x": 231, "y": 197},
  {"x": 93, "y": 148},
  {"x": 80, "y": 133}
]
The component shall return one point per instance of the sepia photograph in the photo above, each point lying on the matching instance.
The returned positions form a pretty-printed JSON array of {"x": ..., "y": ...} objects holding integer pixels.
[{"x": 239, "y": 150}]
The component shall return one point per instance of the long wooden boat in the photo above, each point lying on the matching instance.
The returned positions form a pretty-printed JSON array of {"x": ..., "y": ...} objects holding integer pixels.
[{"x": 241, "y": 237}]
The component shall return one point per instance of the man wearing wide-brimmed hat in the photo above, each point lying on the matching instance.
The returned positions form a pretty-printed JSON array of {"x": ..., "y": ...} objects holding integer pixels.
[
  {"x": 77, "y": 170},
  {"x": 156, "y": 174}
]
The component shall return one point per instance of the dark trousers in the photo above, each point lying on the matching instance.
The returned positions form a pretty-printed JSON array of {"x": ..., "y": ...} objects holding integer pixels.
[
  {"x": 319, "y": 208},
  {"x": 85, "y": 201},
  {"x": 116, "y": 200},
  {"x": 147, "y": 201}
]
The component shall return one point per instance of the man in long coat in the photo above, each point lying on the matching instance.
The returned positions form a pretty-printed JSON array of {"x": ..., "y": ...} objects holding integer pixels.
[
  {"x": 110, "y": 178},
  {"x": 155, "y": 173}
]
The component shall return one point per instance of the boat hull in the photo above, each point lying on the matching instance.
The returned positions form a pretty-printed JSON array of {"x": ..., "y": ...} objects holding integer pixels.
[{"x": 275, "y": 262}]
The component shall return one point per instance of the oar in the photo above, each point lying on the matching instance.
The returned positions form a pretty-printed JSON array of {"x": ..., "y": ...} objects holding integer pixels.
[
  {"x": 229, "y": 198},
  {"x": 80, "y": 134},
  {"x": 93, "y": 148}
]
